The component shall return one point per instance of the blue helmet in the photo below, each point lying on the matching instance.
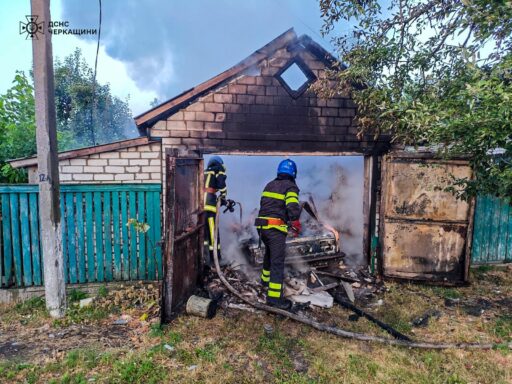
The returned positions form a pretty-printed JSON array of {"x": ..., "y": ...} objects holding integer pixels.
[
  {"x": 215, "y": 160},
  {"x": 287, "y": 167}
]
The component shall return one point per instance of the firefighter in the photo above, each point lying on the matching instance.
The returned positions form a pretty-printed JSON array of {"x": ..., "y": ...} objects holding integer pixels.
[
  {"x": 215, "y": 181},
  {"x": 279, "y": 212}
]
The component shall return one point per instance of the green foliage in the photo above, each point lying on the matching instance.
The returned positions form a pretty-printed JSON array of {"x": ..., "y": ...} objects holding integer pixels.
[
  {"x": 110, "y": 117},
  {"x": 431, "y": 73},
  {"x": 30, "y": 306},
  {"x": 77, "y": 295},
  {"x": 102, "y": 291},
  {"x": 139, "y": 226},
  {"x": 85, "y": 315},
  {"x": 17, "y": 127},
  {"x": 86, "y": 110}
]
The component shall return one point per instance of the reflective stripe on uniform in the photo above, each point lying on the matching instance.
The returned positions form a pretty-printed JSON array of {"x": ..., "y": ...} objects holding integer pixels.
[
  {"x": 207, "y": 185},
  {"x": 282, "y": 228},
  {"x": 278, "y": 227},
  {"x": 272, "y": 293},
  {"x": 273, "y": 195},
  {"x": 210, "y": 208},
  {"x": 266, "y": 279},
  {"x": 275, "y": 286},
  {"x": 264, "y": 272},
  {"x": 211, "y": 227},
  {"x": 292, "y": 197}
]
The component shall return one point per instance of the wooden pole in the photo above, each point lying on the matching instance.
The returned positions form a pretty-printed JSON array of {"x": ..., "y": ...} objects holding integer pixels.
[{"x": 48, "y": 165}]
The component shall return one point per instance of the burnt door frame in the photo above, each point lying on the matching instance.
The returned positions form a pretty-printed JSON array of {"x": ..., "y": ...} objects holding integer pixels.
[
  {"x": 172, "y": 299},
  {"x": 371, "y": 184}
]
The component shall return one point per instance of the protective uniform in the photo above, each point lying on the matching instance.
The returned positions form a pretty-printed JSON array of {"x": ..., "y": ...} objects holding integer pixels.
[
  {"x": 279, "y": 206},
  {"x": 215, "y": 181}
]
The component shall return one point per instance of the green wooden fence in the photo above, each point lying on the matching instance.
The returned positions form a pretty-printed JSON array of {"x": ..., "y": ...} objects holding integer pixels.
[
  {"x": 98, "y": 245},
  {"x": 492, "y": 233}
]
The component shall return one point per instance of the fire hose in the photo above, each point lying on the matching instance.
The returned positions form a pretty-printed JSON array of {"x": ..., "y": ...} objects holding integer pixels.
[{"x": 330, "y": 329}]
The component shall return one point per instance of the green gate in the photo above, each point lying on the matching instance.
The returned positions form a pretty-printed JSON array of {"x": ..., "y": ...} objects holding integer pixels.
[
  {"x": 492, "y": 233},
  {"x": 98, "y": 243}
]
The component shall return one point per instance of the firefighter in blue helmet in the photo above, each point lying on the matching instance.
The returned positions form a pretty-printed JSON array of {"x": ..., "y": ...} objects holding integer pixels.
[
  {"x": 215, "y": 182},
  {"x": 279, "y": 212}
]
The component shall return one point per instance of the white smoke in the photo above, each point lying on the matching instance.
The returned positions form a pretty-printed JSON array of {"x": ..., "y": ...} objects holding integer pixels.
[{"x": 335, "y": 184}]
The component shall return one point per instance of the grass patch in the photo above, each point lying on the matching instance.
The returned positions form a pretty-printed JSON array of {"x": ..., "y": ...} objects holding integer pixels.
[
  {"x": 447, "y": 293},
  {"x": 362, "y": 366},
  {"x": 156, "y": 330},
  {"x": 76, "y": 295},
  {"x": 102, "y": 291},
  {"x": 28, "y": 307},
  {"x": 485, "y": 268},
  {"x": 396, "y": 318},
  {"x": 503, "y": 327},
  {"x": 138, "y": 370},
  {"x": 277, "y": 345},
  {"x": 86, "y": 358},
  {"x": 85, "y": 315},
  {"x": 175, "y": 337},
  {"x": 208, "y": 352}
]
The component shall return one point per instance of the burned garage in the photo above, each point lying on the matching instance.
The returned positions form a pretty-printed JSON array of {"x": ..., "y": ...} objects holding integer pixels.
[{"x": 365, "y": 205}]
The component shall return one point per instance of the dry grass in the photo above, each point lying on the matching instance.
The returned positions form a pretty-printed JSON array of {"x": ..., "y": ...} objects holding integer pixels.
[{"x": 234, "y": 348}]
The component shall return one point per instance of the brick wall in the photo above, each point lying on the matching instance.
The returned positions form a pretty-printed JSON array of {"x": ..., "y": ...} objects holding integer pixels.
[
  {"x": 141, "y": 164},
  {"x": 255, "y": 113}
]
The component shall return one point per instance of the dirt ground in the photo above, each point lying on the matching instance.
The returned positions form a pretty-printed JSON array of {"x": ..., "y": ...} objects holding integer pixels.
[{"x": 118, "y": 339}]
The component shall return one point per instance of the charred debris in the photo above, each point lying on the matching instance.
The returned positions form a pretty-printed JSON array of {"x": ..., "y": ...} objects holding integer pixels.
[{"x": 316, "y": 274}]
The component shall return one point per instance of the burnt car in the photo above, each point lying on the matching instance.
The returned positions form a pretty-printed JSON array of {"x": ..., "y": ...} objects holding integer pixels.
[{"x": 318, "y": 244}]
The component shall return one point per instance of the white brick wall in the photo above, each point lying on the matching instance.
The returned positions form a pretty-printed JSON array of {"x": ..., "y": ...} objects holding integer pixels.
[{"x": 142, "y": 164}]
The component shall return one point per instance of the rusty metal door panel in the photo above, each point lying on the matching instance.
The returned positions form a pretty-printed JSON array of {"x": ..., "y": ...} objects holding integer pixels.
[
  {"x": 424, "y": 230},
  {"x": 184, "y": 232},
  {"x": 416, "y": 191},
  {"x": 423, "y": 250}
]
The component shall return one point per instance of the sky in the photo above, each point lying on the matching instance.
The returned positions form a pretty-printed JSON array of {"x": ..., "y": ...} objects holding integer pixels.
[{"x": 158, "y": 48}]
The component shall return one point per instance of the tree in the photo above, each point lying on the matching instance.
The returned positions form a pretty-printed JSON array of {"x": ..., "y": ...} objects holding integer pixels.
[
  {"x": 111, "y": 117},
  {"x": 431, "y": 72},
  {"x": 89, "y": 120},
  {"x": 17, "y": 127}
]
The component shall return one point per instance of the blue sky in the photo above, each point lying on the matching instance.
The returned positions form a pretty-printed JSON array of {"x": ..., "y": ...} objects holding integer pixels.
[{"x": 159, "y": 48}]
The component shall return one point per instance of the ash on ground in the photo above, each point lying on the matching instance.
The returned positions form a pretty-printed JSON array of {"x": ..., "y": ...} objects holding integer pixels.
[{"x": 311, "y": 287}]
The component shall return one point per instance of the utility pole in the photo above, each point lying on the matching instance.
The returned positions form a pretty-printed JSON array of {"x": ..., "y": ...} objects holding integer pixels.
[{"x": 48, "y": 164}]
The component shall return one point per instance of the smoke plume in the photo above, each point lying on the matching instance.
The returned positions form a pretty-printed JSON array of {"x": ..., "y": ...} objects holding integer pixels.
[
  {"x": 334, "y": 183},
  {"x": 170, "y": 46}
]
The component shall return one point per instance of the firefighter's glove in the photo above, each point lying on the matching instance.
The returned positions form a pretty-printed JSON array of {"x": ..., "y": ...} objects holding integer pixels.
[
  {"x": 230, "y": 205},
  {"x": 296, "y": 227},
  {"x": 223, "y": 201}
]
